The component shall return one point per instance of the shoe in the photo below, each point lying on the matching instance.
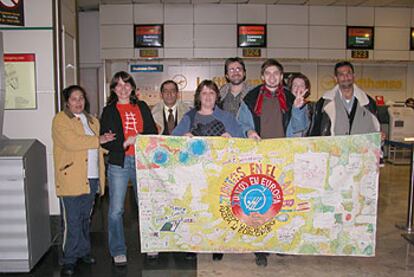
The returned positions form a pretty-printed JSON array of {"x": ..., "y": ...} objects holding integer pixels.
[
  {"x": 67, "y": 269},
  {"x": 152, "y": 256},
  {"x": 261, "y": 259},
  {"x": 88, "y": 259},
  {"x": 217, "y": 256},
  {"x": 120, "y": 260},
  {"x": 190, "y": 256}
]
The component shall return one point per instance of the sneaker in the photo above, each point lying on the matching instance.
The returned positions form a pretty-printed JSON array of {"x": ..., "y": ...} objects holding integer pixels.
[
  {"x": 217, "y": 256},
  {"x": 261, "y": 259},
  {"x": 152, "y": 255},
  {"x": 190, "y": 256},
  {"x": 88, "y": 259},
  {"x": 120, "y": 260},
  {"x": 67, "y": 269}
]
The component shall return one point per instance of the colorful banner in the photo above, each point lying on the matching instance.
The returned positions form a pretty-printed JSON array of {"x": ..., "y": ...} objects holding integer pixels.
[{"x": 307, "y": 196}]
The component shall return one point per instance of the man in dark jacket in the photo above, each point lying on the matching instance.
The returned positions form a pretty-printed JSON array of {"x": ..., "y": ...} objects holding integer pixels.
[
  {"x": 267, "y": 111},
  {"x": 268, "y": 108},
  {"x": 346, "y": 109}
]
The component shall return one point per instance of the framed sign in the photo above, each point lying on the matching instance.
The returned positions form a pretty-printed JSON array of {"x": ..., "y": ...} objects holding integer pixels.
[
  {"x": 12, "y": 12},
  {"x": 251, "y": 35},
  {"x": 359, "y": 37},
  {"x": 150, "y": 35},
  {"x": 20, "y": 78}
]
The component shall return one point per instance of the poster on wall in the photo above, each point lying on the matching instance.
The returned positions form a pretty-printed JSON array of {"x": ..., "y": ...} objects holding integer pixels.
[
  {"x": 12, "y": 12},
  {"x": 20, "y": 80}
]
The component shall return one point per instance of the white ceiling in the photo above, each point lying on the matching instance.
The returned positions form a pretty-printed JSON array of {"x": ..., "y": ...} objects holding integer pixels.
[{"x": 93, "y": 4}]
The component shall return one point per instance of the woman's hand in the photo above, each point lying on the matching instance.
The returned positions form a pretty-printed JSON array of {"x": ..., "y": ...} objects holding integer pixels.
[
  {"x": 129, "y": 141},
  {"x": 107, "y": 137},
  {"x": 253, "y": 135},
  {"x": 300, "y": 99},
  {"x": 189, "y": 135},
  {"x": 226, "y": 135}
]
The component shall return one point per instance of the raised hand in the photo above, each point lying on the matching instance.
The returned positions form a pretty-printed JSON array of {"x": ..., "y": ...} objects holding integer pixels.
[{"x": 300, "y": 98}]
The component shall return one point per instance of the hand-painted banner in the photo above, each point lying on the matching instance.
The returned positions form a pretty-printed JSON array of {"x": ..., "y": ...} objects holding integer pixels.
[{"x": 310, "y": 196}]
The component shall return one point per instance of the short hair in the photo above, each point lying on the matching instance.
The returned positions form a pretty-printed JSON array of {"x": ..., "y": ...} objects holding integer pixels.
[
  {"x": 409, "y": 101},
  {"x": 300, "y": 76},
  {"x": 341, "y": 64},
  {"x": 127, "y": 78},
  {"x": 271, "y": 62},
  {"x": 168, "y": 82},
  {"x": 209, "y": 84},
  {"x": 67, "y": 92},
  {"x": 234, "y": 60}
]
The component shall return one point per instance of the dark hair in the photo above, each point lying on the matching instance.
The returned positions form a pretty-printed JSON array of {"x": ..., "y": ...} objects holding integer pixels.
[
  {"x": 209, "y": 84},
  {"x": 127, "y": 78},
  {"x": 409, "y": 101},
  {"x": 341, "y": 64},
  {"x": 234, "y": 60},
  {"x": 169, "y": 82},
  {"x": 304, "y": 78},
  {"x": 67, "y": 92},
  {"x": 271, "y": 62}
]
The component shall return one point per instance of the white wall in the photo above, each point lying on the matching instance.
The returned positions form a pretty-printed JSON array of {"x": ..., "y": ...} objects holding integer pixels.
[
  {"x": 209, "y": 31},
  {"x": 37, "y": 37}
]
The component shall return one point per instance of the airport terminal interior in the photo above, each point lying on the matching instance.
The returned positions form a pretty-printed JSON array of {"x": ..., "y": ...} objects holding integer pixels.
[{"x": 63, "y": 42}]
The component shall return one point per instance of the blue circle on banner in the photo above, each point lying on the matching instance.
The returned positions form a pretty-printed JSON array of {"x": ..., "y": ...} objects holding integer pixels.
[
  {"x": 160, "y": 156},
  {"x": 198, "y": 147},
  {"x": 256, "y": 199}
]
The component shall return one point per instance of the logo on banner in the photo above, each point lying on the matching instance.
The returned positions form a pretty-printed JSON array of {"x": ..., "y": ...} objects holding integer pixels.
[{"x": 253, "y": 203}]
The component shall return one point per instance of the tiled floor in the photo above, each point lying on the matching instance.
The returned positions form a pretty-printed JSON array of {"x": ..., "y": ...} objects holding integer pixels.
[{"x": 394, "y": 255}]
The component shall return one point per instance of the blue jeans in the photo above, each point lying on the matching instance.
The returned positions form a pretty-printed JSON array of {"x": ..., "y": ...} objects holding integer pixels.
[
  {"x": 76, "y": 214},
  {"x": 118, "y": 178}
]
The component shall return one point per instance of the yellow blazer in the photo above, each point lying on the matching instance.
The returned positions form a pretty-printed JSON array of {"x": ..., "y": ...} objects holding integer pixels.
[{"x": 70, "y": 154}]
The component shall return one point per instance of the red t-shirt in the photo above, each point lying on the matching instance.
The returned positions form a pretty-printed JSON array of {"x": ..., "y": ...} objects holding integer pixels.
[{"x": 132, "y": 123}]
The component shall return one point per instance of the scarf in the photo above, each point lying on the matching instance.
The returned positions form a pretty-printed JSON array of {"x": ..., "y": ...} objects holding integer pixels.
[{"x": 264, "y": 92}]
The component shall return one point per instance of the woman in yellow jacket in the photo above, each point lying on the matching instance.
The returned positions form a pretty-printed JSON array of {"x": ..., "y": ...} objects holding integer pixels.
[{"x": 79, "y": 173}]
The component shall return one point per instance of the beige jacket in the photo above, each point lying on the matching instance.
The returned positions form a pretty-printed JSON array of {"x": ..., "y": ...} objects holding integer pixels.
[
  {"x": 70, "y": 154},
  {"x": 158, "y": 115}
]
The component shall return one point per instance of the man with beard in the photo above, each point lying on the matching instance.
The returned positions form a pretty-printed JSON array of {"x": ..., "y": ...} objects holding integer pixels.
[
  {"x": 346, "y": 109},
  {"x": 232, "y": 93}
]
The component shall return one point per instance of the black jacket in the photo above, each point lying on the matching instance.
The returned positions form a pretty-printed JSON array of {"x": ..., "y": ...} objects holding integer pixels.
[
  {"x": 251, "y": 98},
  {"x": 111, "y": 121}
]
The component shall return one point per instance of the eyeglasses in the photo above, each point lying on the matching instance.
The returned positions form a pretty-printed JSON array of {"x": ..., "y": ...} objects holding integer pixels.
[{"x": 235, "y": 69}]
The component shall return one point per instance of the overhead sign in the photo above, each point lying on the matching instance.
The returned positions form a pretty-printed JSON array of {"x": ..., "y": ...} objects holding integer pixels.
[{"x": 146, "y": 68}]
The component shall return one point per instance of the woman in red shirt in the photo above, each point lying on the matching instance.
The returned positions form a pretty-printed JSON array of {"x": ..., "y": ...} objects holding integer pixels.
[{"x": 127, "y": 117}]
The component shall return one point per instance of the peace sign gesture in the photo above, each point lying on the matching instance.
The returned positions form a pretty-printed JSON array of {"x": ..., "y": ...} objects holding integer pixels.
[
  {"x": 300, "y": 87},
  {"x": 300, "y": 98}
]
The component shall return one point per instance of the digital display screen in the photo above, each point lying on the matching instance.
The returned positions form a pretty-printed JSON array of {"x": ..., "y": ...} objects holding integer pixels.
[
  {"x": 359, "y": 37},
  {"x": 252, "y": 35},
  {"x": 148, "y": 36},
  {"x": 412, "y": 39}
]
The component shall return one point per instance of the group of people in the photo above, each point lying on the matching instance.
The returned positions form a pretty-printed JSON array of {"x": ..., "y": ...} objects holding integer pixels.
[{"x": 270, "y": 110}]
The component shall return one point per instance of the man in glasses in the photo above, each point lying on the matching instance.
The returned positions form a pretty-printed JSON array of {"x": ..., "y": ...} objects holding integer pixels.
[{"x": 232, "y": 93}]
